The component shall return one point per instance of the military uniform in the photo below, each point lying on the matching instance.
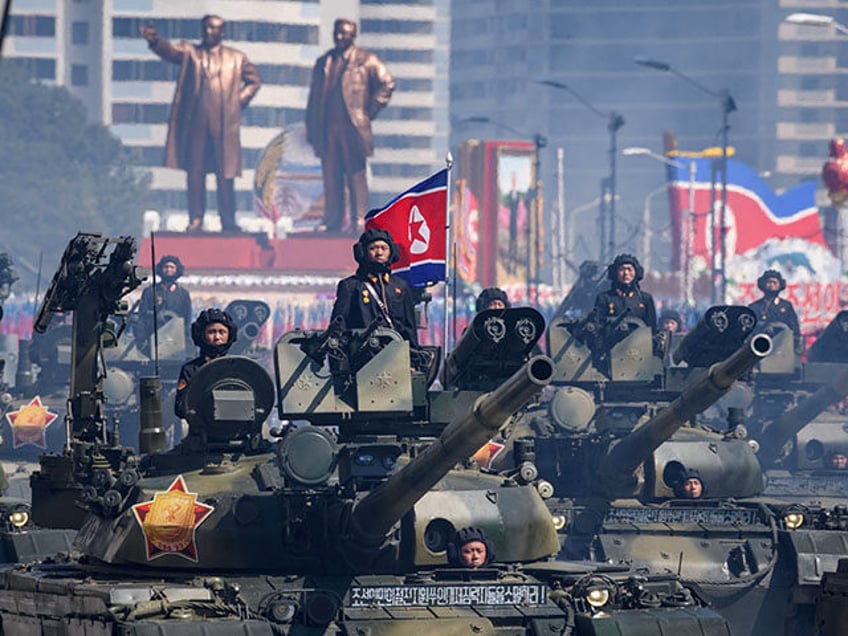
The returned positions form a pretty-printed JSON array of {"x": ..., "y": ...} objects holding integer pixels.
[
  {"x": 186, "y": 373},
  {"x": 776, "y": 309},
  {"x": 357, "y": 304},
  {"x": 614, "y": 302},
  {"x": 169, "y": 297}
]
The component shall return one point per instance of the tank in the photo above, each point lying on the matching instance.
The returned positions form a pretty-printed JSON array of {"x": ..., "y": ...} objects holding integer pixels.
[
  {"x": 339, "y": 524},
  {"x": 611, "y": 448},
  {"x": 799, "y": 420},
  {"x": 21, "y": 541}
]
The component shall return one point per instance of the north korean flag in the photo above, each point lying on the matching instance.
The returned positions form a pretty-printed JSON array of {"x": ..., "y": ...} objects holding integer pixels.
[{"x": 416, "y": 220}]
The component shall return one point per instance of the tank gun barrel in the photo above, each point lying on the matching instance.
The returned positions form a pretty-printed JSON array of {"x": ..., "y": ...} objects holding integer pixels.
[
  {"x": 374, "y": 515},
  {"x": 793, "y": 420},
  {"x": 630, "y": 452}
]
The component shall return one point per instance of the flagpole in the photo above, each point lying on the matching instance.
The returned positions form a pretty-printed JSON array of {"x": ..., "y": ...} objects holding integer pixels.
[{"x": 449, "y": 264}]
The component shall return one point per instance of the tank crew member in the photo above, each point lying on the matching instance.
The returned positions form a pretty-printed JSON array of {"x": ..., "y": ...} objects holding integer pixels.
[
  {"x": 837, "y": 461},
  {"x": 689, "y": 485},
  {"x": 169, "y": 296},
  {"x": 772, "y": 308},
  {"x": 670, "y": 320},
  {"x": 491, "y": 298},
  {"x": 624, "y": 294},
  {"x": 470, "y": 549},
  {"x": 213, "y": 332},
  {"x": 372, "y": 291}
]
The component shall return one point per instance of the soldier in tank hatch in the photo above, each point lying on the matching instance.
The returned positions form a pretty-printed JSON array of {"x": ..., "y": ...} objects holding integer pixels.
[
  {"x": 491, "y": 298},
  {"x": 771, "y": 307},
  {"x": 624, "y": 294},
  {"x": 214, "y": 332},
  {"x": 470, "y": 549},
  {"x": 168, "y": 296},
  {"x": 670, "y": 320},
  {"x": 373, "y": 292}
]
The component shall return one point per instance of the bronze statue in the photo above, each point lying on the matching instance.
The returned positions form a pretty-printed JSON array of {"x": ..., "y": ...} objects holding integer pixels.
[
  {"x": 349, "y": 87},
  {"x": 216, "y": 82}
]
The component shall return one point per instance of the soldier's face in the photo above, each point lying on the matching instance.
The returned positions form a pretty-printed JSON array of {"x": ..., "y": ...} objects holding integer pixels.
[
  {"x": 496, "y": 304},
  {"x": 216, "y": 333},
  {"x": 379, "y": 252},
  {"x": 169, "y": 269},
  {"x": 670, "y": 324},
  {"x": 772, "y": 285},
  {"x": 839, "y": 461},
  {"x": 626, "y": 274},
  {"x": 213, "y": 31},
  {"x": 693, "y": 488},
  {"x": 473, "y": 554},
  {"x": 344, "y": 35}
]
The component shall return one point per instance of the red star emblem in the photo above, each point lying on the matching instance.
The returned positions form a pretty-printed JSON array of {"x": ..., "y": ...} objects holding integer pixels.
[
  {"x": 170, "y": 521},
  {"x": 29, "y": 424},
  {"x": 415, "y": 231},
  {"x": 486, "y": 455}
]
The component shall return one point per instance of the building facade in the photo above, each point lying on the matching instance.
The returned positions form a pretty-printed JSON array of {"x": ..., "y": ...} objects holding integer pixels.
[
  {"x": 93, "y": 48},
  {"x": 785, "y": 81}
]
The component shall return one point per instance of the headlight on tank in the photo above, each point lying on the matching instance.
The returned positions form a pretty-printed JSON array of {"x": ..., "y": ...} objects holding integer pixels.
[
  {"x": 19, "y": 518},
  {"x": 597, "y": 597},
  {"x": 793, "y": 520},
  {"x": 560, "y": 522}
]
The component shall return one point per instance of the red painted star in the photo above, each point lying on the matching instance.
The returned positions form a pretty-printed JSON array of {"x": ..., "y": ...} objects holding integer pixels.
[
  {"x": 29, "y": 424},
  {"x": 487, "y": 454},
  {"x": 170, "y": 521}
]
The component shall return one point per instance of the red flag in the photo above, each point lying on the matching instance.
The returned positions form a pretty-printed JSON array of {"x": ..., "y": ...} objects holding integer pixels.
[{"x": 416, "y": 220}]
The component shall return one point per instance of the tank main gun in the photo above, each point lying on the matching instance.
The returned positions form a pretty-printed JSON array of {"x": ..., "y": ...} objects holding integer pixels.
[
  {"x": 781, "y": 431},
  {"x": 625, "y": 457},
  {"x": 374, "y": 515}
]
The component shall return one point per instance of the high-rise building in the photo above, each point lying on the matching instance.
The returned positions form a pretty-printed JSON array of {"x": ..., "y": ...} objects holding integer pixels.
[
  {"x": 783, "y": 78},
  {"x": 93, "y": 47}
]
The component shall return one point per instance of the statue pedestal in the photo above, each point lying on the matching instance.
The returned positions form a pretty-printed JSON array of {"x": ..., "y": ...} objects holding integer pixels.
[{"x": 307, "y": 253}]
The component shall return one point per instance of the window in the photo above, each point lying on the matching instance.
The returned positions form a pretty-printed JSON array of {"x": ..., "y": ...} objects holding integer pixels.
[
  {"x": 79, "y": 75},
  {"x": 79, "y": 33},
  {"x": 32, "y": 25}
]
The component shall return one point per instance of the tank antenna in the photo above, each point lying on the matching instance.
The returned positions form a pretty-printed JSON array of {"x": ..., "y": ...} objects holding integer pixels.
[{"x": 155, "y": 312}]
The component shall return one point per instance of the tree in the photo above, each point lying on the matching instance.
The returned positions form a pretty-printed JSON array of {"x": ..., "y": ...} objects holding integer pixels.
[{"x": 60, "y": 174}]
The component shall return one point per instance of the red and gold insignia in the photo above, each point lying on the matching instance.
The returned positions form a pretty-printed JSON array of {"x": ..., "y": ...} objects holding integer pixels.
[
  {"x": 181, "y": 384},
  {"x": 486, "y": 455},
  {"x": 170, "y": 521},
  {"x": 29, "y": 424},
  {"x": 397, "y": 290}
]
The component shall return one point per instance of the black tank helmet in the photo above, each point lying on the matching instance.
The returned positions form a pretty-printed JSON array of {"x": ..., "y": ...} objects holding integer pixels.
[
  {"x": 467, "y": 535},
  {"x": 671, "y": 314},
  {"x": 622, "y": 259},
  {"x": 206, "y": 318},
  {"x": 360, "y": 248},
  {"x": 169, "y": 259},
  {"x": 488, "y": 295},
  {"x": 771, "y": 273}
]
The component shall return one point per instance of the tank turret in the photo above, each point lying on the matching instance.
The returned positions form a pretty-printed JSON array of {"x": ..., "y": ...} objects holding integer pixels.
[{"x": 329, "y": 515}]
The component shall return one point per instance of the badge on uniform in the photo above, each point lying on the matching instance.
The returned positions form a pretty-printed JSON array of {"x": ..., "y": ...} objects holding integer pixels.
[{"x": 365, "y": 297}]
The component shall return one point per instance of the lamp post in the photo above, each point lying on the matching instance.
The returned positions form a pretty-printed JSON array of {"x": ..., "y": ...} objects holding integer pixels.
[
  {"x": 688, "y": 220},
  {"x": 728, "y": 105},
  {"x": 534, "y": 262},
  {"x": 608, "y": 186}
]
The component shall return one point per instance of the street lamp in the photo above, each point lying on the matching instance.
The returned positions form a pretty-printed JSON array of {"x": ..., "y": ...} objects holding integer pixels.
[
  {"x": 534, "y": 216},
  {"x": 728, "y": 105},
  {"x": 614, "y": 122},
  {"x": 688, "y": 220},
  {"x": 635, "y": 151}
]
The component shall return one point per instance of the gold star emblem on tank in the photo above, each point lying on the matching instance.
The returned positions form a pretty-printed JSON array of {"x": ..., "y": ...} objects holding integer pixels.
[
  {"x": 170, "y": 521},
  {"x": 29, "y": 424}
]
